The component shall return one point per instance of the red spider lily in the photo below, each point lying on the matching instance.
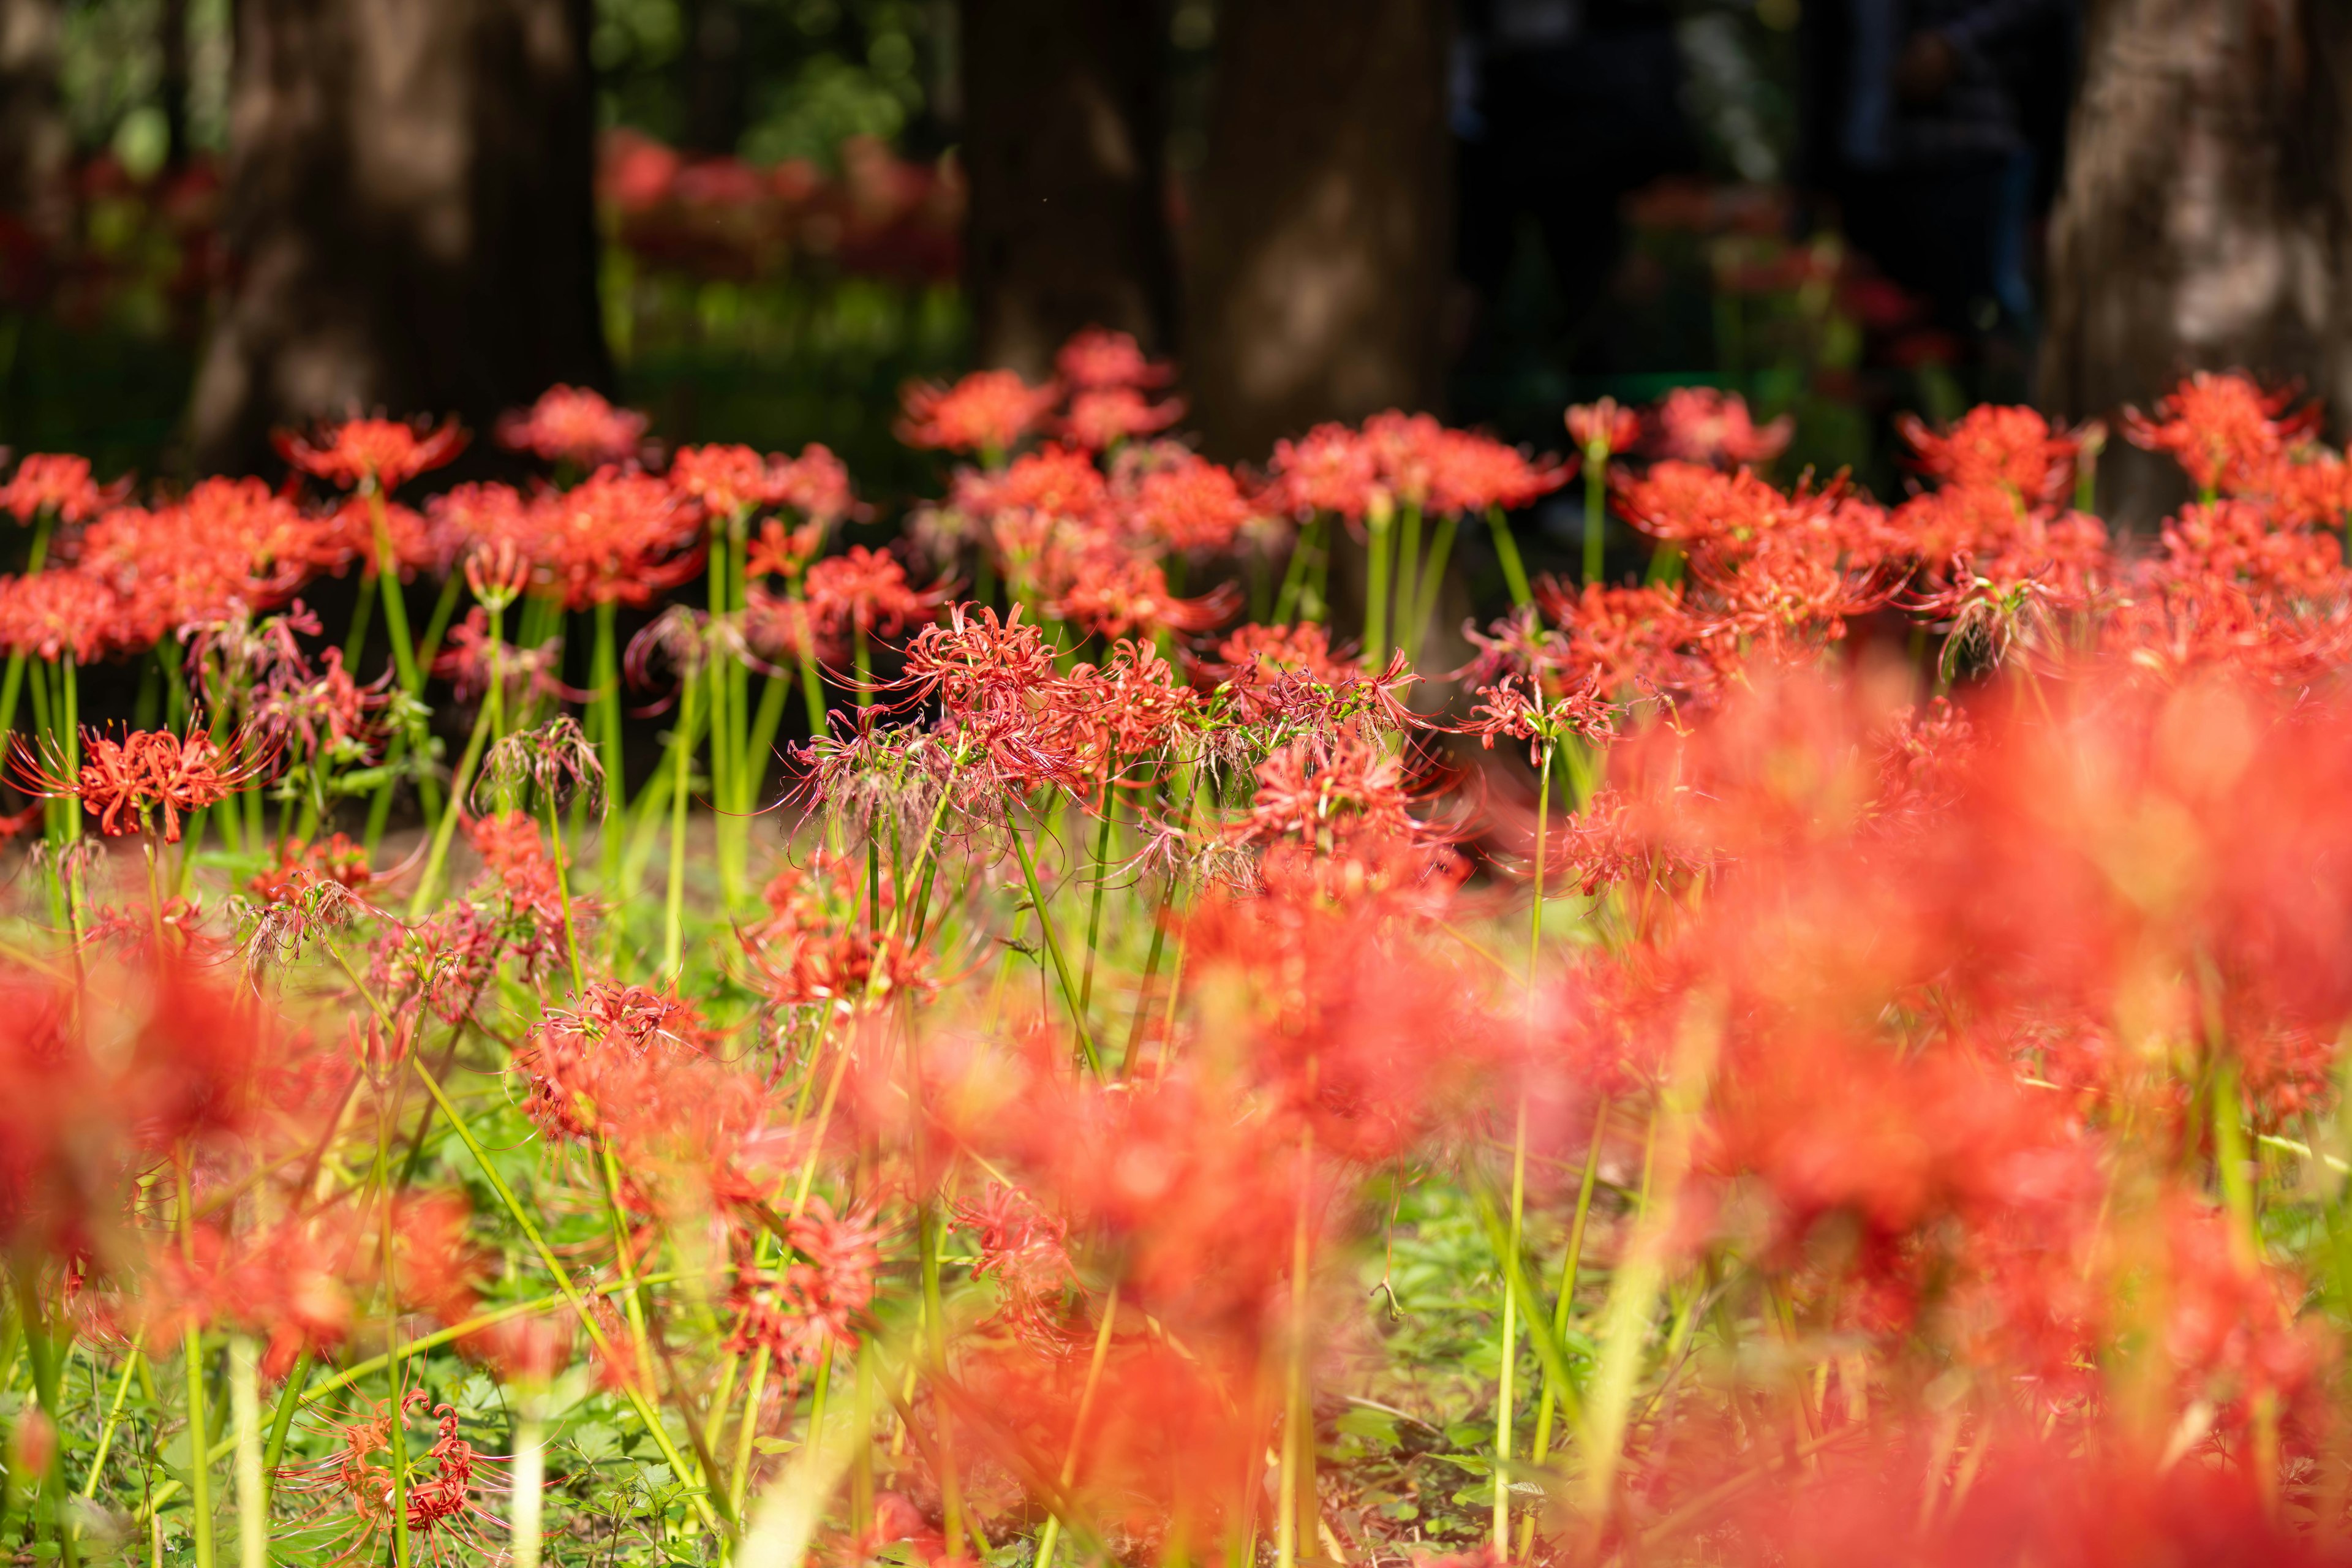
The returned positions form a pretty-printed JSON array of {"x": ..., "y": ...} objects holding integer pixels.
[
  {"x": 122, "y": 782},
  {"x": 1470, "y": 472},
  {"x": 2234, "y": 541},
  {"x": 467, "y": 663},
  {"x": 2224, "y": 430},
  {"x": 1027, "y": 1251},
  {"x": 813, "y": 950},
  {"x": 987, "y": 412},
  {"x": 1097, "y": 359},
  {"x": 1320, "y": 795},
  {"x": 868, "y": 589},
  {"x": 781, "y": 552},
  {"x": 1508, "y": 714},
  {"x": 56, "y": 614},
  {"x": 322, "y": 709},
  {"x": 780, "y": 630},
  {"x": 59, "y": 484},
  {"x": 377, "y": 454},
  {"x": 810, "y": 1306},
  {"x": 2009, "y": 451},
  {"x": 1101, "y": 417},
  {"x": 1407, "y": 450},
  {"x": 974, "y": 663},
  {"x": 1602, "y": 429},
  {"x": 1131, "y": 708},
  {"x": 1113, "y": 598},
  {"x": 1330, "y": 469},
  {"x": 227, "y": 547},
  {"x": 729, "y": 480},
  {"x": 296, "y": 865},
  {"x": 1181, "y": 501},
  {"x": 1055, "y": 480},
  {"x": 617, "y": 538},
  {"x": 588, "y": 1065},
  {"x": 573, "y": 424},
  {"x": 1707, "y": 424},
  {"x": 355, "y": 1483},
  {"x": 470, "y": 520}
]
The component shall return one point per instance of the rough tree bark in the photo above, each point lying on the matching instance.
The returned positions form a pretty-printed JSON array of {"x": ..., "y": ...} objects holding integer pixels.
[
  {"x": 35, "y": 145},
  {"x": 1317, "y": 260},
  {"x": 2205, "y": 221},
  {"x": 1064, "y": 127},
  {"x": 411, "y": 215}
]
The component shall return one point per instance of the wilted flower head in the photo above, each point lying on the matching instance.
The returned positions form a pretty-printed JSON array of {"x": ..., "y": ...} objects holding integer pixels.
[{"x": 556, "y": 758}]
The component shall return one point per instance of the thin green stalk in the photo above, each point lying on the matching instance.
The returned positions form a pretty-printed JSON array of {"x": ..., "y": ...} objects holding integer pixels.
[
  {"x": 436, "y": 625},
  {"x": 282, "y": 1420},
  {"x": 113, "y": 1417},
  {"x": 718, "y": 1518},
  {"x": 761, "y": 745},
  {"x": 748, "y": 1432},
  {"x": 563, "y": 892},
  {"x": 1432, "y": 577},
  {"x": 363, "y": 618},
  {"x": 200, "y": 1481},
  {"x": 446, "y": 830},
  {"x": 529, "y": 1480},
  {"x": 1507, "y": 552},
  {"x": 1408, "y": 573},
  {"x": 252, "y": 1502},
  {"x": 1596, "y": 513},
  {"x": 1295, "y": 1473},
  {"x": 1095, "y": 909},
  {"x": 1506, "y": 1394},
  {"x": 605, "y": 681},
  {"x": 1052, "y": 1534},
  {"x": 935, "y": 1333},
  {"x": 1564, "y": 1305},
  {"x": 1293, "y": 575},
  {"x": 1379, "y": 524},
  {"x": 1053, "y": 950},
  {"x": 861, "y": 656},
  {"x": 681, "y": 760}
]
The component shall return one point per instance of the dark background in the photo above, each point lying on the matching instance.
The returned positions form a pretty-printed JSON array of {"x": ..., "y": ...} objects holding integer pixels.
[{"x": 756, "y": 219}]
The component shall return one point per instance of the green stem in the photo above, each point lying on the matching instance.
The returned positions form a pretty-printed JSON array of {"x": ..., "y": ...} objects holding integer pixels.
[
  {"x": 460, "y": 782},
  {"x": 1053, "y": 950},
  {"x": 1095, "y": 910},
  {"x": 681, "y": 760},
  {"x": 1432, "y": 576},
  {"x": 200, "y": 1481},
  {"x": 1293, "y": 575},
  {"x": 1052, "y": 1534},
  {"x": 605, "y": 679},
  {"x": 1407, "y": 568},
  {"x": 1379, "y": 524},
  {"x": 1505, "y": 1394},
  {"x": 1596, "y": 513},
  {"x": 252, "y": 1502},
  {"x": 1507, "y": 552},
  {"x": 563, "y": 892}
]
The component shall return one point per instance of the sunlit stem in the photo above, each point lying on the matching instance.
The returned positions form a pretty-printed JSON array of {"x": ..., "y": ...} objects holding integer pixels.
[
  {"x": 681, "y": 760},
  {"x": 861, "y": 654},
  {"x": 130, "y": 1364},
  {"x": 1596, "y": 510},
  {"x": 1095, "y": 906},
  {"x": 1295, "y": 1474},
  {"x": 1432, "y": 577},
  {"x": 45, "y": 1353},
  {"x": 529, "y": 1480},
  {"x": 1507, "y": 552},
  {"x": 200, "y": 1481},
  {"x": 484, "y": 722},
  {"x": 605, "y": 679},
  {"x": 252, "y": 1502},
  {"x": 935, "y": 1329},
  {"x": 1052, "y": 1534},
  {"x": 1408, "y": 573},
  {"x": 748, "y": 1432},
  {"x": 1506, "y": 1394},
  {"x": 563, "y": 892},
  {"x": 1564, "y": 1305},
  {"x": 1379, "y": 524},
  {"x": 1054, "y": 951},
  {"x": 282, "y": 1421},
  {"x": 715, "y": 1517},
  {"x": 1303, "y": 551}
]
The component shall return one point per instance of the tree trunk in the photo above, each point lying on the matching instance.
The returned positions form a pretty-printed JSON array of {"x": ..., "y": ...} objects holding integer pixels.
[
  {"x": 1064, "y": 127},
  {"x": 1318, "y": 258},
  {"x": 411, "y": 221},
  {"x": 34, "y": 145},
  {"x": 2203, "y": 219}
]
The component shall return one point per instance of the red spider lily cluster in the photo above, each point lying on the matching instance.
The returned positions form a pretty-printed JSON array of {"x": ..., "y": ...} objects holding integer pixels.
[{"x": 1848, "y": 1064}]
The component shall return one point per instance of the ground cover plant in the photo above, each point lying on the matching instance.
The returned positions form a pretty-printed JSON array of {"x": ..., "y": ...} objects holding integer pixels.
[{"x": 1825, "y": 1050}]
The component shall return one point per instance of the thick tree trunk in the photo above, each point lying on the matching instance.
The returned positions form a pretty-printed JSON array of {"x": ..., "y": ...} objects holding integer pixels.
[
  {"x": 410, "y": 220},
  {"x": 1063, "y": 126},
  {"x": 1317, "y": 260},
  {"x": 2204, "y": 223},
  {"x": 34, "y": 145}
]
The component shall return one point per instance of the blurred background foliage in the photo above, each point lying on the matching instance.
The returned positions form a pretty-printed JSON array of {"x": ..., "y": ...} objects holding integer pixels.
[{"x": 781, "y": 209}]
